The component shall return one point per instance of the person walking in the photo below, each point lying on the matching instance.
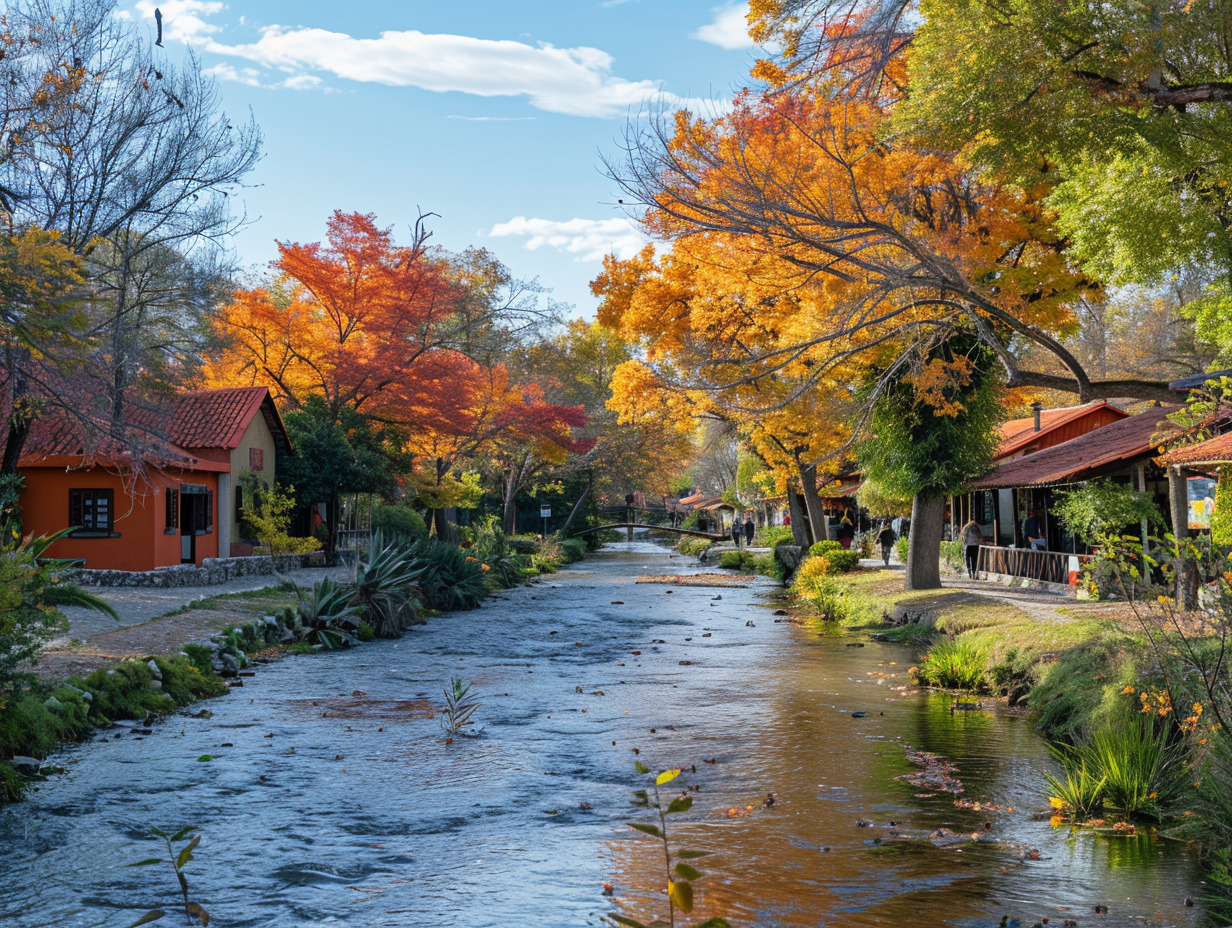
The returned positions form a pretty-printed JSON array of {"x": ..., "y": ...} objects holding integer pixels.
[
  {"x": 736, "y": 530},
  {"x": 972, "y": 538},
  {"x": 887, "y": 539},
  {"x": 749, "y": 531}
]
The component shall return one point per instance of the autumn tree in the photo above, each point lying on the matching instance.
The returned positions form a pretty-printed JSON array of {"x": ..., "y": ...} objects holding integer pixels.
[
  {"x": 134, "y": 176},
  {"x": 403, "y": 335}
]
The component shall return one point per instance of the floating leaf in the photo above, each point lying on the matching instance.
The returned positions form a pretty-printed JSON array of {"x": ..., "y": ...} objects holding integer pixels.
[
  {"x": 685, "y": 872},
  {"x": 681, "y": 804},
  {"x": 667, "y": 776},
  {"x": 205, "y": 757},
  {"x": 151, "y": 916},
  {"x": 147, "y": 862},
  {"x": 681, "y": 894},
  {"x": 692, "y": 855},
  {"x": 647, "y": 829},
  {"x": 624, "y": 920}
]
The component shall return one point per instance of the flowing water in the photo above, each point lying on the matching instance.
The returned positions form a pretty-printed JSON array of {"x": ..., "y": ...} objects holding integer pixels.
[{"x": 332, "y": 798}]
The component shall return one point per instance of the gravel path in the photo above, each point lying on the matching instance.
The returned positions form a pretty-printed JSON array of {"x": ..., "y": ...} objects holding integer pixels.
[{"x": 136, "y": 605}]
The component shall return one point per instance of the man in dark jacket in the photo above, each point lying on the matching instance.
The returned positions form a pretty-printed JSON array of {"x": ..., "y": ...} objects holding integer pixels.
[
  {"x": 749, "y": 530},
  {"x": 886, "y": 539}
]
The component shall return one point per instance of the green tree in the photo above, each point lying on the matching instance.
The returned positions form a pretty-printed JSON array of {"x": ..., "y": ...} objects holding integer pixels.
[
  {"x": 1096, "y": 509},
  {"x": 931, "y": 431},
  {"x": 333, "y": 456}
]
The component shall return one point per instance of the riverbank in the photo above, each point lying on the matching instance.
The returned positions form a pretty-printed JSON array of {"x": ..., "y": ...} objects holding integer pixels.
[{"x": 1066, "y": 662}]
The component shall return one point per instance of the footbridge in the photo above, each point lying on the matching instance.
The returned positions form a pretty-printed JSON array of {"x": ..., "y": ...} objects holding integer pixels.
[{"x": 648, "y": 517}]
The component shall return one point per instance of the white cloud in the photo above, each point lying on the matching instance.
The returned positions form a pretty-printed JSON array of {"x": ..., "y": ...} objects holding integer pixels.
[
  {"x": 226, "y": 72},
  {"x": 183, "y": 20},
  {"x": 574, "y": 81},
  {"x": 587, "y": 239},
  {"x": 730, "y": 28}
]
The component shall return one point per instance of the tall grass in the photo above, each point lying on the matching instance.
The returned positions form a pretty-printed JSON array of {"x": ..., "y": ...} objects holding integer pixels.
[
  {"x": 1128, "y": 767},
  {"x": 954, "y": 664}
]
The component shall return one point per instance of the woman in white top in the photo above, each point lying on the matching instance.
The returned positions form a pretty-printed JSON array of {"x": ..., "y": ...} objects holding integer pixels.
[{"x": 972, "y": 538}]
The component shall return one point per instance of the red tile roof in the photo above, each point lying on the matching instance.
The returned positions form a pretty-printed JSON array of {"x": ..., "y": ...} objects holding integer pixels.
[
  {"x": 1094, "y": 454},
  {"x": 1017, "y": 433},
  {"x": 215, "y": 418},
  {"x": 162, "y": 435},
  {"x": 1217, "y": 450}
]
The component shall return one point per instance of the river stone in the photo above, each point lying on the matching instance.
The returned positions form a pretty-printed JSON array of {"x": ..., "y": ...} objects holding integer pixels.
[
  {"x": 26, "y": 766},
  {"x": 230, "y": 664},
  {"x": 52, "y": 704},
  {"x": 154, "y": 669}
]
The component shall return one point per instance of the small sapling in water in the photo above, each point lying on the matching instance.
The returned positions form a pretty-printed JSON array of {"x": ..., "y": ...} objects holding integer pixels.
[
  {"x": 460, "y": 706},
  {"x": 178, "y": 859},
  {"x": 679, "y": 872}
]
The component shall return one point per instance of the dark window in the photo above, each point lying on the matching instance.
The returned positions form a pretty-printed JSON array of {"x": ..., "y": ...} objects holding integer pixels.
[
  {"x": 173, "y": 509},
  {"x": 91, "y": 510},
  {"x": 239, "y": 504},
  {"x": 256, "y": 458},
  {"x": 209, "y": 512}
]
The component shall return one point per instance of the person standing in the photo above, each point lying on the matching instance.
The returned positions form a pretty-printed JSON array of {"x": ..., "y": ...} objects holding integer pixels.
[
  {"x": 749, "y": 531},
  {"x": 1033, "y": 529},
  {"x": 887, "y": 539},
  {"x": 972, "y": 538},
  {"x": 736, "y": 532}
]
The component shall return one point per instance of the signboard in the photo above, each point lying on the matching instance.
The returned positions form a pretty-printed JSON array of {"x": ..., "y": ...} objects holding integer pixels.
[
  {"x": 1201, "y": 501},
  {"x": 545, "y": 512}
]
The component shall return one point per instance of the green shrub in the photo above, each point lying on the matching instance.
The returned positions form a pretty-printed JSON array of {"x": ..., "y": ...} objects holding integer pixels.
[
  {"x": 731, "y": 560},
  {"x": 768, "y": 565},
  {"x": 573, "y": 550},
  {"x": 954, "y": 664},
  {"x": 396, "y": 521},
  {"x": 900, "y": 548},
  {"x": 815, "y": 584},
  {"x": 771, "y": 536},
  {"x": 953, "y": 555},
  {"x": 693, "y": 546},
  {"x": 524, "y": 544},
  {"x": 824, "y": 547}
]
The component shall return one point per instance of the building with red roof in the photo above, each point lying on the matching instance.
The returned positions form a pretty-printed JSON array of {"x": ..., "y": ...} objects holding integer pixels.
[{"x": 178, "y": 504}]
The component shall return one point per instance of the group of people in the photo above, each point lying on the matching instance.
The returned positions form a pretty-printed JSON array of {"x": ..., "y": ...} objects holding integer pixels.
[{"x": 748, "y": 530}]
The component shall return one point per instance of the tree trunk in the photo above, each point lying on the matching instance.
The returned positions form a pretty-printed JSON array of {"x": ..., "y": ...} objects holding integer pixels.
[
  {"x": 331, "y": 539},
  {"x": 1178, "y": 499},
  {"x": 577, "y": 507},
  {"x": 799, "y": 530},
  {"x": 509, "y": 509},
  {"x": 924, "y": 543},
  {"x": 819, "y": 525}
]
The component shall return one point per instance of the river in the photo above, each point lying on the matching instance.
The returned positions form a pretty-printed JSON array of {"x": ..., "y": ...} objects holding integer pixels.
[{"x": 331, "y": 797}]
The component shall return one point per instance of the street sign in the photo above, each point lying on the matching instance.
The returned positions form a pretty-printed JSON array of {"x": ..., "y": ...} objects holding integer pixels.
[{"x": 545, "y": 512}]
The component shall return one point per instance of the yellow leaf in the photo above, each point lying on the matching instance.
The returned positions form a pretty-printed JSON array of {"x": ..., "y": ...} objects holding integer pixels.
[
  {"x": 681, "y": 894},
  {"x": 667, "y": 776}
]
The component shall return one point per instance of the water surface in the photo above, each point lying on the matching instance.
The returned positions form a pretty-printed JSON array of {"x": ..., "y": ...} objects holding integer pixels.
[{"x": 332, "y": 798}]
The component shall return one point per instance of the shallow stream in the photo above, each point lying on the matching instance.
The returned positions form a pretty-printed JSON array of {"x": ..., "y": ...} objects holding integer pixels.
[{"x": 332, "y": 798}]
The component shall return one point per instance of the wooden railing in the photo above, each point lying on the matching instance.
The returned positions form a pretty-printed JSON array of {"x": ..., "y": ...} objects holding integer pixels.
[{"x": 1045, "y": 566}]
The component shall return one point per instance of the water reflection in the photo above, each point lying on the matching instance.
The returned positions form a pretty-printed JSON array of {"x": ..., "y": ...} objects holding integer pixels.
[{"x": 352, "y": 811}]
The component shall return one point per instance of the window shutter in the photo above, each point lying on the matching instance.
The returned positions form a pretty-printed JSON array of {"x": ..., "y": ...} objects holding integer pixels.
[
  {"x": 209, "y": 511},
  {"x": 75, "y": 517},
  {"x": 173, "y": 508},
  {"x": 256, "y": 458}
]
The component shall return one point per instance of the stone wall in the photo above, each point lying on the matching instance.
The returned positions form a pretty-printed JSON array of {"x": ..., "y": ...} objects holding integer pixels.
[{"x": 213, "y": 570}]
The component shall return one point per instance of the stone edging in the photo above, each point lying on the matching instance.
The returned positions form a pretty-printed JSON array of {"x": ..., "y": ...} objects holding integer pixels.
[{"x": 213, "y": 571}]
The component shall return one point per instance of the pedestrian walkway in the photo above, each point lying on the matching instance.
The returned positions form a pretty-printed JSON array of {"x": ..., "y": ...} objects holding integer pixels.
[{"x": 136, "y": 605}]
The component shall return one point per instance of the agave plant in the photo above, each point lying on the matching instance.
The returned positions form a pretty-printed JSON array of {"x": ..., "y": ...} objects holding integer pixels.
[
  {"x": 451, "y": 578},
  {"x": 330, "y": 614},
  {"x": 504, "y": 565},
  {"x": 385, "y": 587},
  {"x": 460, "y": 706}
]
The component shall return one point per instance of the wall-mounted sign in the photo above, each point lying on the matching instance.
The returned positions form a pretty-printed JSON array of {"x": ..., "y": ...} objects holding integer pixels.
[{"x": 1201, "y": 501}]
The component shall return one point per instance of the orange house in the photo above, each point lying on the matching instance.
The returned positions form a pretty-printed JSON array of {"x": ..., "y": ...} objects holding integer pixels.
[{"x": 184, "y": 508}]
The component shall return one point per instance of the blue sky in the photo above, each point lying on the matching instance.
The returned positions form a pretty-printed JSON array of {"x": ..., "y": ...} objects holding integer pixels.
[{"x": 491, "y": 113}]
